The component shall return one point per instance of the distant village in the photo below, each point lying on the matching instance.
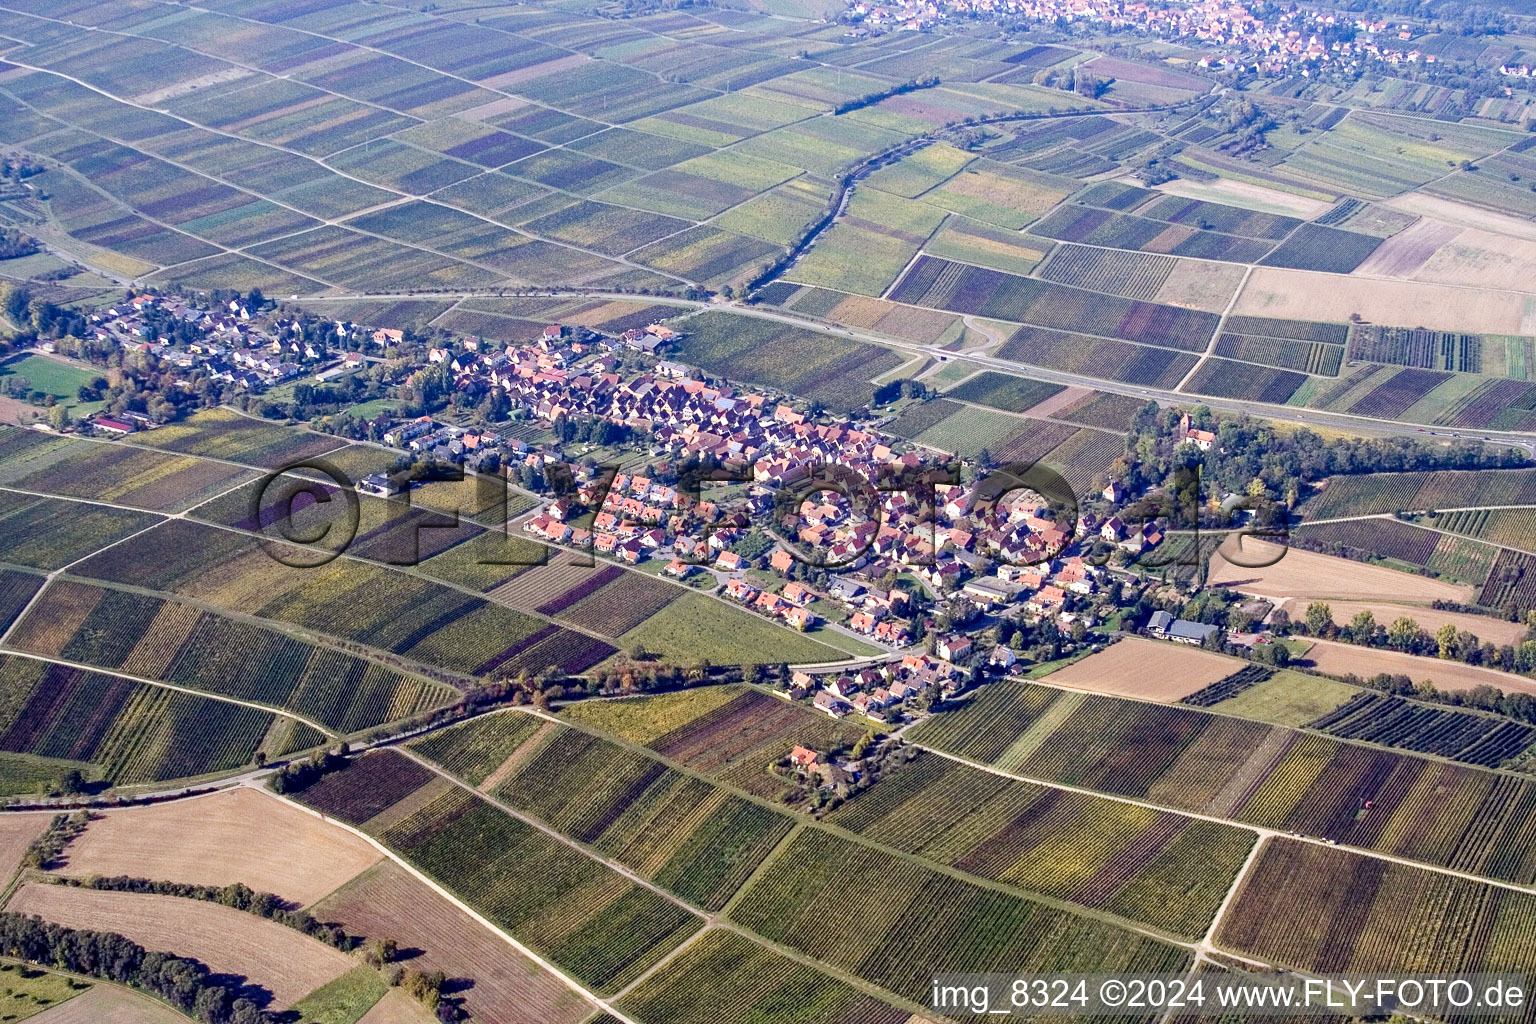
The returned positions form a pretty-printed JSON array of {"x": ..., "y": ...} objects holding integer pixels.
[{"x": 1282, "y": 42}]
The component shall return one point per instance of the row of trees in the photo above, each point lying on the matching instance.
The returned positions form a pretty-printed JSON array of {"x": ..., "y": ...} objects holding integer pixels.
[
  {"x": 186, "y": 984},
  {"x": 1282, "y": 462},
  {"x": 1406, "y": 635},
  {"x": 237, "y": 896}
]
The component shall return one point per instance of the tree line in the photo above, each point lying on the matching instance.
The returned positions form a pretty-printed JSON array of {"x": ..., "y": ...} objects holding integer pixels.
[
  {"x": 237, "y": 896},
  {"x": 186, "y": 984}
]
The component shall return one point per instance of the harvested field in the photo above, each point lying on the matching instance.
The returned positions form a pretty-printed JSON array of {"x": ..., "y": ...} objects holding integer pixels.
[
  {"x": 1453, "y": 212},
  {"x": 1247, "y": 195},
  {"x": 508, "y": 988},
  {"x": 1303, "y": 295},
  {"x": 281, "y": 960},
  {"x": 237, "y": 835},
  {"x": 1063, "y": 401},
  {"x": 110, "y": 1004},
  {"x": 1200, "y": 285},
  {"x": 1146, "y": 669},
  {"x": 1306, "y": 575},
  {"x": 1338, "y": 659},
  {"x": 1483, "y": 259}
]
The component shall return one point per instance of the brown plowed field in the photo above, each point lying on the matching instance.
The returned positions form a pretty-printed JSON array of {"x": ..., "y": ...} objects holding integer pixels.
[
  {"x": 507, "y": 988},
  {"x": 238, "y": 835},
  {"x": 1148, "y": 669}
]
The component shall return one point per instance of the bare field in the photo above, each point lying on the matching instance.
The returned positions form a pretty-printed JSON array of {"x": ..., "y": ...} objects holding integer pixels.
[
  {"x": 285, "y": 962},
  {"x": 1482, "y": 626},
  {"x": 397, "y": 1008},
  {"x": 1306, "y": 575},
  {"x": 1460, "y": 213},
  {"x": 1485, "y": 260},
  {"x": 1060, "y": 402},
  {"x": 16, "y": 833},
  {"x": 508, "y": 987},
  {"x": 1245, "y": 194},
  {"x": 1146, "y": 669},
  {"x": 109, "y": 1004},
  {"x": 1199, "y": 285},
  {"x": 1308, "y": 295},
  {"x": 1338, "y": 659},
  {"x": 1408, "y": 250},
  {"x": 237, "y": 835}
]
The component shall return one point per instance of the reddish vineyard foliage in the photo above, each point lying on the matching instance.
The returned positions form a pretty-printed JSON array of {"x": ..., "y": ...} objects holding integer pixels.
[{"x": 367, "y": 786}]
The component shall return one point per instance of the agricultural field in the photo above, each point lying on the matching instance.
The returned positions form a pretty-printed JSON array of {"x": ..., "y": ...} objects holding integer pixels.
[
  {"x": 1146, "y": 670},
  {"x": 1314, "y": 908},
  {"x": 737, "y": 742},
  {"x": 608, "y": 930},
  {"x": 1508, "y": 527},
  {"x": 1403, "y": 546},
  {"x": 961, "y": 239},
  {"x": 1306, "y": 576},
  {"x": 152, "y": 638},
  {"x": 745, "y": 982},
  {"x": 16, "y": 589},
  {"x": 130, "y": 732},
  {"x": 1105, "y": 855},
  {"x": 938, "y": 922},
  {"x": 1133, "y": 275},
  {"x": 1001, "y": 391},
  {"x": 388, "y": 900},
  {"x": 1282, "y": 353},
  {"x": 1340, "y": 659},
  {"x": 685, "y": 835},
  {"x": 1185, "y": 759},
  {"x": 100, "y": 471},
  {"x": 1098, "y": 357},
  {"x": 407, "y": 615},
  {"x": 1464, "y": 736},
  {"x": 1226, "y": 378},
  {"x": 1286, "y": 697},
  {"x": 942, "y": 284},
  {"x": 235, "y": 835},
  {"x": 833, "y": 371},
  {"x": 283, "y": 961},
  {"x": 49, "y": 533},
  {"x": 696, "y": 626},
  {"x": 1376, "y": 493}
]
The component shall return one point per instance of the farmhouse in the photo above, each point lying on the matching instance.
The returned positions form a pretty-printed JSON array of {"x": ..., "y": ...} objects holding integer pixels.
[{"x": 1163, "y": 624}]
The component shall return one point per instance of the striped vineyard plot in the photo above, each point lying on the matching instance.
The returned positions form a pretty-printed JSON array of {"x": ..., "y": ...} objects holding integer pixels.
[
  {"x": 1163, "y": 869},
  {"x": 1319, "y": 909},
  {"x": 814, "y": 898},
  {"x": 686, "y": 835},
  {"x": 1463, "y": 736}
]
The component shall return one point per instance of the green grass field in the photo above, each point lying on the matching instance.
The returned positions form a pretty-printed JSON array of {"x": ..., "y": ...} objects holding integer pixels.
[
  {"x": 1288, "y": 698},
  {"x": 26, "y": 991},
  {"x": 345, "y": 1000},
  {"x": 695, "y": 626},
  {"x": 52, "y": 377}
]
